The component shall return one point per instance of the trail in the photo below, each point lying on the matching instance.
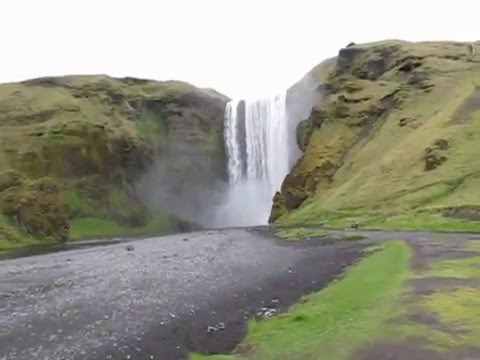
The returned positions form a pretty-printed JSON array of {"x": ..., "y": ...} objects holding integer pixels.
[{"x": 156, "y": 301}]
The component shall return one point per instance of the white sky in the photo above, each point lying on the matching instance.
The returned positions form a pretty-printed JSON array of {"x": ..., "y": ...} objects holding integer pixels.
[{"x": 239, "y": 47}]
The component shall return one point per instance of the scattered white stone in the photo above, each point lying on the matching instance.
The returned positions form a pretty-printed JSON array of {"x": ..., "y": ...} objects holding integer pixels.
[
  {"x": 266, "y": 312},
  {"x": 216, "y": 327}
]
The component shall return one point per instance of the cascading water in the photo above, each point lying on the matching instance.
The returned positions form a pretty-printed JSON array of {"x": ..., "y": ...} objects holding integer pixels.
[{"x": 257, "y": 141}]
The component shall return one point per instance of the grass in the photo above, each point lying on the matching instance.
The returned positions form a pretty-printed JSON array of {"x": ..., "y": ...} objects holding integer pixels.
[
  {"x": 384, "y": 220},
  {"x": 88, "y": 228},
  {"x": 456, "y": 308},
  {"x": 457, "y": 268},
  {"x": 84, "y": 228},
  {"x": 299, "y": 233},
  {"x": 11, "y": 238},
  {"x": 425, "y": 222},
  {"x": 384, "y": 171},
  {"x": 334, "y": 321},
  {"x": 353, "y": 236},
  {"x": 460, "y": 308},
  {"x": 153, "y": 126},
  {"x": 76, "y": 203}
]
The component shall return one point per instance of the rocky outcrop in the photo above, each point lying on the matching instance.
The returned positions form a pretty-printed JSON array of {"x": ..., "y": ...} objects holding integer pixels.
[
  {"x": 79, "y": 145},
  {"x": 391, "y": 118}
]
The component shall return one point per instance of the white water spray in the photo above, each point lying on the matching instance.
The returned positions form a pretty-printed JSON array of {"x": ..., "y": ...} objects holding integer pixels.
[{"x": 257, "y": 143}]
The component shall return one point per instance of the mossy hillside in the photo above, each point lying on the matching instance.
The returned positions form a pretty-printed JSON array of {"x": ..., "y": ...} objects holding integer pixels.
[
  {"x": 32, "y": 206},
  {"x": 380, "y": 144},
  {"x": 95, "y": 137}
]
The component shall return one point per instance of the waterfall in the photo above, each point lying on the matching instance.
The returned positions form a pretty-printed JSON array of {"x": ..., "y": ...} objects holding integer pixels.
[{"x": 257, "y": 144}]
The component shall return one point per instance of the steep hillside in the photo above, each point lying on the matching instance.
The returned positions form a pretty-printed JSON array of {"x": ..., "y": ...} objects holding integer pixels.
[
  {"x": 394, "y": 140},
  {"x": 74, "y": 149}
]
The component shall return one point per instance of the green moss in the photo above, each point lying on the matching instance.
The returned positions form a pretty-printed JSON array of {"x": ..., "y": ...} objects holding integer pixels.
[
  {"x": 12, "y": 238},
  {"x": 78, "y": 205},
  {"x": 95, "y": 137},
  {"x": 457, "y": 268},
  {"x": 461, "y": 309},
  {"x": 388, "y": 219},
  {"x": 420, "y": 221},
  {"x": 155, "y": 127},
  {"x": 436, "y": 339},
  {"x": 334, "y": 321},
  {"x": 84, "y": 228},
  {"x": 455, "y": 309},
  {"x": 353, "y": 236},
  {"x": 298, "y": 233}
]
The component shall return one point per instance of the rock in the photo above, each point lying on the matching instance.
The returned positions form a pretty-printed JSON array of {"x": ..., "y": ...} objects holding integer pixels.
[
  {"x": 355, "y": 225},
  {"x": 435, "y": 155},
  {"x": 303, "y": 132},
  {"x": 350, "y": 44},
  {"x": 376, "y": 67},
  {"x": 420, "y": 80},
  {"x": 404, "y": 121},
  {"x": 433, "y": 159},
  {"x": 266, "y": 312},
  {"x": 347, "y": 58},
  {"x": 216, "y": 327},
  {"x": 129, "y": 248},
  {"x": 410, "y": 64},
  {"x": 441, "y": 144}
]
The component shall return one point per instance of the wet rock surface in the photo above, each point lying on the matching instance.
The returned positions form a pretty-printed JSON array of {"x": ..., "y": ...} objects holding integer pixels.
[{"x": 163, "y": 300}]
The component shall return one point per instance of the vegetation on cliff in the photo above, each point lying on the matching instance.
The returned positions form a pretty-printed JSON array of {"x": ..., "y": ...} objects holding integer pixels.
[
  {"x": 392, "y": 142},
  {"x": 73, "y": 149}
]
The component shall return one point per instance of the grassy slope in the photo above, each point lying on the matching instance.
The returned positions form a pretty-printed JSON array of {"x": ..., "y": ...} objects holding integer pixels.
[
  {"x": 382, "y": 179},
  {"x": 335, "y": 320},
  {"x": 93, "y": 136}
]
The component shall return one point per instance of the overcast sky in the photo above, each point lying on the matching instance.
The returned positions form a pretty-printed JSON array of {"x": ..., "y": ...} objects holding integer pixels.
[{"x": 239, "y": 47}]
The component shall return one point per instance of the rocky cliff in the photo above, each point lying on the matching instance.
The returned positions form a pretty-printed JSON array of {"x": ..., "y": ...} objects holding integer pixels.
[
  {"x": 75, "y": 151},
  {"x": 392, "y": 137}
]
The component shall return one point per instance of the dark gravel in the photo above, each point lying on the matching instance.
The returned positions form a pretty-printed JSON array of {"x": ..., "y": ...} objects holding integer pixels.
[{"x": 155, "y": 298}]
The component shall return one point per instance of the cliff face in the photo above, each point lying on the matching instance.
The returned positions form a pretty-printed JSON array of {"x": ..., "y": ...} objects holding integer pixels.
[
  {"x": 393, "y": 135},
  {"x": 74, "y": 149}
]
